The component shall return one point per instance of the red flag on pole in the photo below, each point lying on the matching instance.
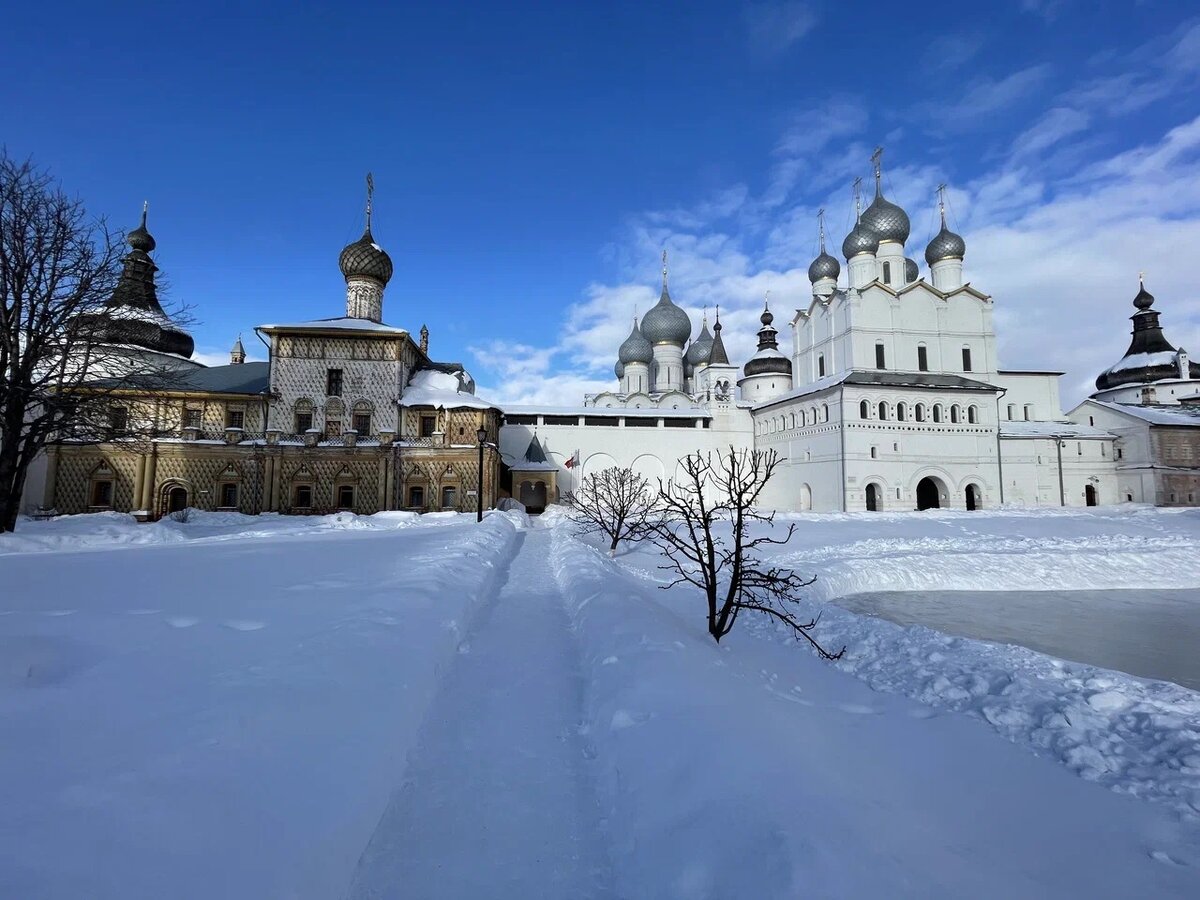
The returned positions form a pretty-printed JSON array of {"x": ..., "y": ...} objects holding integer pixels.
[{"x": 573, "y": 461}]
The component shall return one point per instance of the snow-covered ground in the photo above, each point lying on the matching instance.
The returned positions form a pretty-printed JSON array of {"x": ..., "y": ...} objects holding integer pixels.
[{"x": 403, "y": 706}]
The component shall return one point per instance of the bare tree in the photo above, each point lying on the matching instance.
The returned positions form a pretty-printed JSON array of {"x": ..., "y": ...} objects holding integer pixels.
[
  {"x": 618, "y": 502},
  {"x": 61, "y": 360},
  {"x": 728, "y": 570}
]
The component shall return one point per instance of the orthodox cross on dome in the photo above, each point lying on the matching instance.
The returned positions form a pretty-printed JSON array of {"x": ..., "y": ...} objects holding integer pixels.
[
  {"x": 857, "y": 199},
  {"x": 767, "y": 299},
  {"x": 941, "y": 195},
  {"x": 1142, "y": 279},
  {"x": 370, "y": 194},
  {"x": 821, "y": 226},
  {"x": 664, "y": 270},
  {"x": 877, "y": 163}
]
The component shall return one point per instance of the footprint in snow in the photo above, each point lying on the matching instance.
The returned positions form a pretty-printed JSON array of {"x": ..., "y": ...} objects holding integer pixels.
[
  {"x": 244, "y": 625},
  {"x": 1160, "y": 856},
  {"x": 856, "y": 708},
  {"x": 182, "y": 621}
]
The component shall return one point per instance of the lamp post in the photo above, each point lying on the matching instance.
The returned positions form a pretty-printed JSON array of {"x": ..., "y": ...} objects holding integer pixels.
[{"x": 482, "y": 435}]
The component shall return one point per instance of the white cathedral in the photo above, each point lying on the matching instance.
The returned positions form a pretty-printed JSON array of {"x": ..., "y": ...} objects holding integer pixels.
[{"x": 891, "y": 397}]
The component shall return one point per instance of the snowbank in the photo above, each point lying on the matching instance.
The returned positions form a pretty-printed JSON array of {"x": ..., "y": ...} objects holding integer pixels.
[
  {"x": 752, "y": 769},
  {"x": 109, "y": 530},
  {"x": 223, "y": 718}
]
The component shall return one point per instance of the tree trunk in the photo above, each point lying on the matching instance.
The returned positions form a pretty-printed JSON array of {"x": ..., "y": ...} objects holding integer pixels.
[{"x": 12, "y": 481}]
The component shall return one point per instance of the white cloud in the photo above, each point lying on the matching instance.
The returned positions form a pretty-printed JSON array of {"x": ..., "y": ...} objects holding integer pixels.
[
  {"x": 1054, "y": 126},
  {"x": 983, "y": 98},
  {"x": 773, "y": 27}
]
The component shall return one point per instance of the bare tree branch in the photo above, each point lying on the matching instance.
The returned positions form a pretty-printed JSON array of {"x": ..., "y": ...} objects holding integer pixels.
[
  {"x": 690, "y": 535},
  {"x": 617, "y": 502}
]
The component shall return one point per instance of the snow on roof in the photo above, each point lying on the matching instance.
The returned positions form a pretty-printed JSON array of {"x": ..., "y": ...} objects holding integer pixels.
[
  {"x": 1185, "y": 416},
  {"x": 341, "y": 323},
  {"x": 627, "y": 411},
  {"x": 444, "y": 390},
  {"x": 1144, "y": 361},
  {"x": 1050, "y": 429}
]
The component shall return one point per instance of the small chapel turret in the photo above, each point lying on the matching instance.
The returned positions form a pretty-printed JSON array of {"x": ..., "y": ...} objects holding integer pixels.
[{"x": 367, "y": 269}]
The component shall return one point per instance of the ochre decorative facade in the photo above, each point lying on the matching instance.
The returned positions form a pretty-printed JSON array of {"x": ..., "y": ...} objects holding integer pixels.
[{"x": 324, "y": 425}]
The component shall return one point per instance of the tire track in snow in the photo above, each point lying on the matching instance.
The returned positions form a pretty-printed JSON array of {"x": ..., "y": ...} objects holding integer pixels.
[{"x": 498, "y": 799}]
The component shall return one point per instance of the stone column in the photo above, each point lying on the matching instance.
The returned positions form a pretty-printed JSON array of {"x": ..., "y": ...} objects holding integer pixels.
[
  {"x": 139, "y": 482},
  {"x": 147, "y": 502}
]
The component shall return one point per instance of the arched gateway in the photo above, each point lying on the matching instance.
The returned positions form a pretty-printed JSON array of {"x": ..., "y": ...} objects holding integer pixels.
[{"x": 929, "y": 493}]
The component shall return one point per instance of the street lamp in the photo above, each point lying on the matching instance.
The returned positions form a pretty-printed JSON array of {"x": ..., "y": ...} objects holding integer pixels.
[{"x": 481, "y": 434}]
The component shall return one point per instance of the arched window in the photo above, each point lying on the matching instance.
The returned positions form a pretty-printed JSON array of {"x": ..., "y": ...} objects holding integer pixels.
[
  {"x": 883, "y": 411},
  {"x": 361, "y": 421},
  {"x": 920, "y": 412},
  {"x": 954, "y": 414},
  {"x": 864, "y": 410},
  {"x": 901, "y": 412},
  {"x": 824, "y": 412},
  {"x": 887, "y": 273},
  {"x": 302, "y": 415},
  {"x": 922, "y": 358},
  {"x": 1012, "y": 411},
  {"x": 973, "y": 415},
  {"x": 1028, "y": 411},
  {"x": 937, "y": 412}
]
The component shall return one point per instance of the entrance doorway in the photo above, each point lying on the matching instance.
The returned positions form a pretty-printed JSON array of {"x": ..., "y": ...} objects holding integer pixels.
[
  {"x": 973, "y": 499},
  {"x": 533, "y": 496},
  {"x": 1089, "y": 494},
  {"x": 872, "y": 498},
  {"x": 929, "y": 495},
  {"x": 177, "y": 499}
]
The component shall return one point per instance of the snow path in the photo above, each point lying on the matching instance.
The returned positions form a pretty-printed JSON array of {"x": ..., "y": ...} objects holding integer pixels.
[{"x": 497, "y": 801}]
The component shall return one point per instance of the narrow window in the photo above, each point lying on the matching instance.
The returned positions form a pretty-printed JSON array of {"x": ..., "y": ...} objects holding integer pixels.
[
  {"x": 191, "y": 418},
  {"x": 887, "y": 273},
  {"x": 303, "y": 496},
  {"x": 901, "y": 412},
  {"x": 972, "y": 415},
  {"x": 362, "y": 424},
  {"x": 937, "y": 412},
  {"x": 428, "y": 424},
  {"x": 1091, "y": 420},
  {"x": 1103, "y": 450},
  {"x": 118, "y": 418},
  {"x": 229, "y": 495},
  {"x": 954, "y": 415},
  {"x": 922, "y": 358},
  {"x": 1012, "y": 411},
  {"x": 345, "y": 496},
  {"x": 304, "y": 421},
  {"x": 874, "y": 453},
  {"x": 1079, "y": 448},
  {"x": 920, "y": 412},
  {"x": 880, "y": 358},
  {"x": 966, "y": 359},
  {"x": 234, "y": 418},
  {"x": 883, "y": 411},
  {"x": 864, "y": 410},
  {"x": 416, "y": 497},
  {"x": 1119, "y": 453},
  {"x": 449, "y": 497},
  {"x": 821, "y": 366},
  {"x": 1028, "y": 412},
  {"x": 102, "y": 493},
  {"x": 824, "y": 412},
  {"x": 333, "y": 382}
]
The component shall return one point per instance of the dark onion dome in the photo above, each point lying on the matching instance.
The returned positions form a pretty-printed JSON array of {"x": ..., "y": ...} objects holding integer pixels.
[
  {"x": 133, "y": 315},
  {"x": 768, "y": 359},
  {"x": 140, "y": 238},
  {"x": 619, "y": 368},
  {"x": 885, "y": 218},
  {"x": 688, "y": 369},
  {"x": 666, "y": 323},
  {"x": 911, "y": 271},
  {"x": 945, "y": 245},
  {"x": 697, "y": 354},
  {"x": 1150, "y": 357},
  {"x": 366, "y": 259},
  {"x": 824, "y": 266},
  {"x": 636, "y": 348},
  {"x": 861, "y": 239}
]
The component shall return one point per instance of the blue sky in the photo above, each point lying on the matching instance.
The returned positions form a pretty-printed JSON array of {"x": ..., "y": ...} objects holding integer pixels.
[{"x": 532, "y": 160}]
